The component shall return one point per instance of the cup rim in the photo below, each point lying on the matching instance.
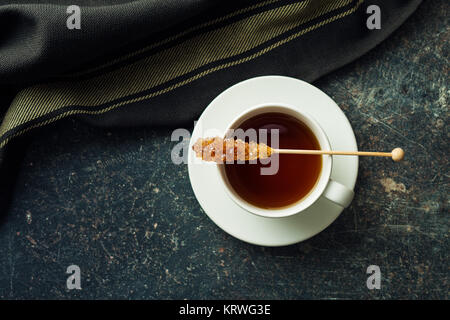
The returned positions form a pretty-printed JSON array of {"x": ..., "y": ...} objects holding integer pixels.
[{"x": 321, "y": 183}]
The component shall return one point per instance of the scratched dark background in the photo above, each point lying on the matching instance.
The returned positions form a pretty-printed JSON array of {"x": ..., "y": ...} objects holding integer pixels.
[{"x": 112, "y": 202}]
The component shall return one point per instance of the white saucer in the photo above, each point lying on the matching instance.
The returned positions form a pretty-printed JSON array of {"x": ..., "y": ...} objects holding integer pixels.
[{"x": 211, "y": 194}]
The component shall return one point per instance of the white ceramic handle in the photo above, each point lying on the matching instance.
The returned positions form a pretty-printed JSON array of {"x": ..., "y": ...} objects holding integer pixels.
[{"x": 338, "y": 193}]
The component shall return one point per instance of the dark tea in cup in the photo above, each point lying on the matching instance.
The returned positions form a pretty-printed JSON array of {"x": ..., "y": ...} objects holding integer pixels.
[{"x": 297, "y": 175}]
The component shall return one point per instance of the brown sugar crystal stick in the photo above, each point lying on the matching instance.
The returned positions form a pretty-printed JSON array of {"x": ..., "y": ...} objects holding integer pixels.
[{"x": 219, "y": 150}]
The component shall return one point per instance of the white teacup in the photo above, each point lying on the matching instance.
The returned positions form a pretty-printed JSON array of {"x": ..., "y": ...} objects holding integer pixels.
[{"x": 326, "y": 187}]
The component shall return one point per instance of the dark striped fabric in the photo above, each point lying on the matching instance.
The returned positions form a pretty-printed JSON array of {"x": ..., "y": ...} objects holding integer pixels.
[{"x": 172, "y": 69}]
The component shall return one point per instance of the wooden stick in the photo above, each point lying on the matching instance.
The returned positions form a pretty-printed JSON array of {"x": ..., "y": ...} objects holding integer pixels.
[{"x": 397, "y": 154}]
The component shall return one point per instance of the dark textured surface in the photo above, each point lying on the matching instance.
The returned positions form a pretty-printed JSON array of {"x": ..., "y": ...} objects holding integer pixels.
[{"x": 112, "y": 202}]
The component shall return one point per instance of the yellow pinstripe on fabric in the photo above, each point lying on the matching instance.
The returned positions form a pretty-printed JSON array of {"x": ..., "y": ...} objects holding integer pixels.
[
  {"x": 177, "y": 36},
  {"x": 169, "y": 64}
]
